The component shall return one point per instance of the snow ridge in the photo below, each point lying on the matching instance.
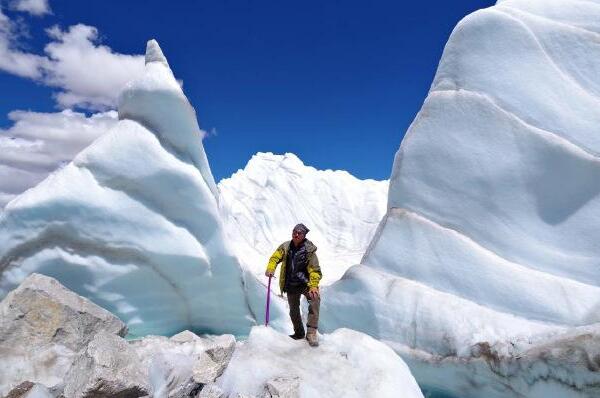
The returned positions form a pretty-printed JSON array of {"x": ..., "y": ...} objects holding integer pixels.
[{"x": 261, "y": 204}]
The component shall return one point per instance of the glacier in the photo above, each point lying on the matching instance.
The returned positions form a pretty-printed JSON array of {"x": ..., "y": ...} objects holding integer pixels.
[
  {"x": 133, "y": 222},
  {"x": 484, "y": 272},
  {"x": 261, "y": 203}
]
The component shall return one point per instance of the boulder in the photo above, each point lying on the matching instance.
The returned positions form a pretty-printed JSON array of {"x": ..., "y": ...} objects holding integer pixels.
[
  {"x": 109, "y": 367},
  {"x": 43, "y": 326},
  {"x": 28, "y": 389},
  {"x": 183, "y": 364},
  {"x": 215, "y": 359},
  {"x": 211, "y": 391},
  {"x": 282, "y": 387}
]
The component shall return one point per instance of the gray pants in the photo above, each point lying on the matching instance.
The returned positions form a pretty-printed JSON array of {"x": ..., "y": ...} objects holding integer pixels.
[{"x": 293, "y": 296}]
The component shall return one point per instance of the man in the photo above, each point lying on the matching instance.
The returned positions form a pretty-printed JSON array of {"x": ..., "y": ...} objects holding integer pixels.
[{"x": 300, "y": 275}]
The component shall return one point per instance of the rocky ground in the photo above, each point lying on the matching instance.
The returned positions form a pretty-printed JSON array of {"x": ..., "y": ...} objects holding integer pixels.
[{"x": 54, "y": 343}]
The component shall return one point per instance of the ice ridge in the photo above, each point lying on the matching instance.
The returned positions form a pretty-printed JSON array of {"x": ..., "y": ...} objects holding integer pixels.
[
  {"x": 133, "y": 221},
  {"x": 485, "y": 268},
  {"x": 155, "y": 54}
]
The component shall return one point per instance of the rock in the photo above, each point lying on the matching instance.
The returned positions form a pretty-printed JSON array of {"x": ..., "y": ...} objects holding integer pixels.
[
  {"x": 221, "y": 349},
  {"x": 206, "y": 370},
  {"x": 170, "y": 375},
  {"x": 182, "y": 364},
  {"x": 109, "y": 367},
  {"x": 21, "y": 390},
  {"x": 215, "y": 359},
  {"x": 28, "y": 389},
  {"x": 282, "y": 387},
  {"x": 185, "y": 337},
  {"x": 43, "y": 326},
  {"x": 168, "y": 363},
  {"x": 211, "y": 391}
]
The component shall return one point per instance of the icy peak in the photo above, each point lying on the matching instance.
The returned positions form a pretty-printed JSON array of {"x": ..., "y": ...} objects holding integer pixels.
[
  {"x": 156, "y": 101},
  {"x": 262, "y": 160},
  {"x": 155, "y": 54}
]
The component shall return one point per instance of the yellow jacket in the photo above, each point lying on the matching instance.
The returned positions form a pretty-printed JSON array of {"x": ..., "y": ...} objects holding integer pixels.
[{"x": 313, "y": 268}]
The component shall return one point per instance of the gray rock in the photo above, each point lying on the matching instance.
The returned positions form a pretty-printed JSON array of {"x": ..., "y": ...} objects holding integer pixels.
[
  {"x": 185, "y": 337},
  {"x": 206, "y": 370},
  {"x": 28, "y": 389},
  {"x": 221, "y": 348},
  {"x": 212, "y": 363},
  {"x": 109, "y": 367},
  {"x": 171, "y": 375},
  {"x": 211, "y": 391},
  {"x": 43, "y": 327},
  {"x": 180, "y": 365},
  {"x": 168, "y": 363},
  {"x": 282, "y": 387}
]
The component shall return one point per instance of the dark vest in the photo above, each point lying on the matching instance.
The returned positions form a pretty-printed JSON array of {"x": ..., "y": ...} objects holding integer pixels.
[{"x": 296, "y": 267}]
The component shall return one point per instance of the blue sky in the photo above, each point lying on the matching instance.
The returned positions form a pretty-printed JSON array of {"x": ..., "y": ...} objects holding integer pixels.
[{"x": 337, "y": 83}]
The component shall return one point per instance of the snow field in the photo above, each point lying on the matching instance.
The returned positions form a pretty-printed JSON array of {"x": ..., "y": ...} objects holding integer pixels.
[{"x": 347, "y": 363}]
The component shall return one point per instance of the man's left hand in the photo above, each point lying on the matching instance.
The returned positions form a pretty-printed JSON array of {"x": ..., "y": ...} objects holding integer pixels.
[{"x": 313, "y": 293}]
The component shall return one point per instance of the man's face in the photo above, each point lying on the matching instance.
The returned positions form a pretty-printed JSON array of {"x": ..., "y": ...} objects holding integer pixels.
[{"x": 297, "y": 237}]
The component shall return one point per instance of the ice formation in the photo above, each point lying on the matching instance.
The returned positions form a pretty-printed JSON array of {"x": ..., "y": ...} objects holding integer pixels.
[
  {"x": 261, "y": 204},
  {"x": 60, "y": 344},
  {"x": 483, "y": 272},
  {"x": 346, "y": 364},
  {"x": 133, "y": 223},
  {"x": 488, "y": 251}
]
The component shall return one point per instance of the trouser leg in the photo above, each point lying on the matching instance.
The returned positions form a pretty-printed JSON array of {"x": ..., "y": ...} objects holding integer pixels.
[
  {"x": 295, "y": 317},
  {"x": 313, "y": 311}
]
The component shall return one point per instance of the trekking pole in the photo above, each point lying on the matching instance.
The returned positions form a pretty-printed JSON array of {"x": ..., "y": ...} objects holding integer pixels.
[{"x": 268, "y": 300}]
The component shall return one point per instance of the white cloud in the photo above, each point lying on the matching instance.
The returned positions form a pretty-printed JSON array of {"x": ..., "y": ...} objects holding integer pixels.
[
  {"x": 12, "y": 59},
  {"x": 85, "y": 73},
  {"x": 19, "y": 63},
  {"x": 34, "y": 7},
  {"x": 39, "y": 143},
  {"x": 88, "y": 74}
]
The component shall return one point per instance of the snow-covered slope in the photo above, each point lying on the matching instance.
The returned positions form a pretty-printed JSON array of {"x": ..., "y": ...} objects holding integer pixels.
[
  {"x": 346, "y": 364},
  {"x": 490, "y": 238},
  {"x": 261, "y": 204},
  {"x": 133, "y": 221}
]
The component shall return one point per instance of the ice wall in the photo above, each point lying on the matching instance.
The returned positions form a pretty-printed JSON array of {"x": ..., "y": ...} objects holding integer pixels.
[
  {"x": 261, "y": 204},
  {"x": 132, "y": 222},
  {"x": 490, "y": 238}
]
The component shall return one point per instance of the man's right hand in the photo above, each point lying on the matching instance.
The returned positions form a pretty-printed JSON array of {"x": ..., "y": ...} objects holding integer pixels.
[{"x": 268, "y": 274}]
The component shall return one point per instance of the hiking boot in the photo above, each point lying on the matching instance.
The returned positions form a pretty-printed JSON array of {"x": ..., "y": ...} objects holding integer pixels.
[
  {"x": 312, "y": 338},
  {"x": 297, "y": 336}
]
